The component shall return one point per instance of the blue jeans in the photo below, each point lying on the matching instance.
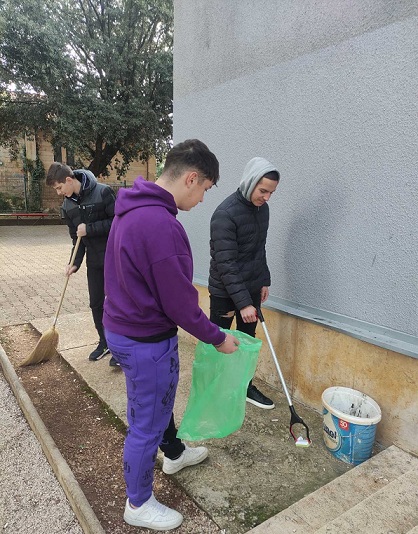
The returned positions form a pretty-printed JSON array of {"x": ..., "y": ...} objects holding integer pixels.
[{"x": 152, "y": 374}]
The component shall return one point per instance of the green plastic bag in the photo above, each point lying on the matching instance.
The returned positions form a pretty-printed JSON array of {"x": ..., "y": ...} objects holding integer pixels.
[{"x": 216, "y": 405}]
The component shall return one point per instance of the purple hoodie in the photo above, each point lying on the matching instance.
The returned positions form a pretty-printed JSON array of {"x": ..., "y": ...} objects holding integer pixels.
[{"x": 149, "y": 269}]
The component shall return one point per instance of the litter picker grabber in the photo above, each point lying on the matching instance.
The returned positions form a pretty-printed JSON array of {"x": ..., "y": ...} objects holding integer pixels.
[
  {"x": 294, "y": 417},
  {"x": 48, "y": 342}
]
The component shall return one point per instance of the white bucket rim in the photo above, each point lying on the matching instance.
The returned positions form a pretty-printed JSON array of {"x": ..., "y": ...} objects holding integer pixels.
[{"x": 365, "y": 421}]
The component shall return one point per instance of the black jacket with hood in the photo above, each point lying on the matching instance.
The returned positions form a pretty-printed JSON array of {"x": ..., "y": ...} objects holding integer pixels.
[
  {"x": 238, "y": 233},
  {"x": 94, "y": 206}
]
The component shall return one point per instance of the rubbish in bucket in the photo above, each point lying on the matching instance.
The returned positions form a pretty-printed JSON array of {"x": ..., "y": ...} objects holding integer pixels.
[{"x": 350, "y": 419}]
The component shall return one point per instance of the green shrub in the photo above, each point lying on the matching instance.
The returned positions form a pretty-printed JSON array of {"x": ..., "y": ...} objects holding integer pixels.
[{"x": 11, "y": 203}]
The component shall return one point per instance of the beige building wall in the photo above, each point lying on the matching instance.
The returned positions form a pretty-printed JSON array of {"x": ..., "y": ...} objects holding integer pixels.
[
  {"x": 8, "y": 168},
  {"x": 11, "y": 176},
  {"x": 146, "y": 169},
  {"x": 46, "y": 153},
  {"x": 313, "y": 358}
]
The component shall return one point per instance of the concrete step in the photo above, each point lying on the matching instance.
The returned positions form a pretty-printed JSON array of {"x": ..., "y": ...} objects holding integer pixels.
[
  {"x": 318, "y": 511},
  {"x": 393, "y": 509}
]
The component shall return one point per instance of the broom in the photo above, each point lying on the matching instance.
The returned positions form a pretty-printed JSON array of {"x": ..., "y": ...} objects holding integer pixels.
[{"x": 48, "y": 342}]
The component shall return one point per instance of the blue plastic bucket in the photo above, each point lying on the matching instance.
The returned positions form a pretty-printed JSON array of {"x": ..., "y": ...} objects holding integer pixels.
[{"x": 350, "y": 419}]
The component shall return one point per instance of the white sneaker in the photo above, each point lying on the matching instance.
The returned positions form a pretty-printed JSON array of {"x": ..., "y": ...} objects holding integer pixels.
[
  {"x": 190, "y": 456},
  {"x": 152, "y": 514}
]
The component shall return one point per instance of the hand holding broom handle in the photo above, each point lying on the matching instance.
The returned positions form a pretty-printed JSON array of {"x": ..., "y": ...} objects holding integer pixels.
[{"x": 73, "y": 255}]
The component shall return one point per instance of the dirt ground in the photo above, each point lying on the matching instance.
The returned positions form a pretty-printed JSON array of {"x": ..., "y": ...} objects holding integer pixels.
[
  {"x": 250, "y": 475},
  {"x": 89, "y": 436}
]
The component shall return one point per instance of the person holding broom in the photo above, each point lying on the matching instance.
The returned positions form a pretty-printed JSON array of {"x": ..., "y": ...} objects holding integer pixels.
[
  {"x": 239, "y": 277},
  {"x": 149, "y": 293},
  {"x": 88, "y": 210}
]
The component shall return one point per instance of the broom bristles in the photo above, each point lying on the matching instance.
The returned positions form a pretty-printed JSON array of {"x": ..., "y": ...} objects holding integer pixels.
[{"x": 45, "y": 349}]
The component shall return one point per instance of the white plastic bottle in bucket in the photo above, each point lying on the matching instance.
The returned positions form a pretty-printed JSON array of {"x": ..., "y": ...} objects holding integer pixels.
[{"x": 350, "y": 419}]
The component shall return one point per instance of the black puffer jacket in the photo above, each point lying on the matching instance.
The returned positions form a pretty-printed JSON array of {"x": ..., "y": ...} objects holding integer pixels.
[
  {"x": 238, "y": 264},
  {"x": 95, "y": 207}
]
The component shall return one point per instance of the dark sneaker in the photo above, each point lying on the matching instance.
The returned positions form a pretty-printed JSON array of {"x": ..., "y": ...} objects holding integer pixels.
[
  {"x": 258, "y": 399},
  {"x": 100, "y": 352},
  {"x": 113, "y": 362}
]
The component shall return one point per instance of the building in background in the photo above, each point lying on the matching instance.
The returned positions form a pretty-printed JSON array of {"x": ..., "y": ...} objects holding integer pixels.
[
  {"x": 16, "y": 183},
  {"x": 326, "y": 91}
]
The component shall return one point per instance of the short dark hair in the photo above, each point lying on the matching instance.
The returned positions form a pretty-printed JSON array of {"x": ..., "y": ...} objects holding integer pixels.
[
  {"x": 192, "y": 154},
  {"x": 58, "y": 172},
  {"x": 272, "y": 175}
]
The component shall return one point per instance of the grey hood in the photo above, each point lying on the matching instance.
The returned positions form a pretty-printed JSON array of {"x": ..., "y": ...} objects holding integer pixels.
[
  {"x": 255, "y": 169},
  {"x": 81, "y": 174}
]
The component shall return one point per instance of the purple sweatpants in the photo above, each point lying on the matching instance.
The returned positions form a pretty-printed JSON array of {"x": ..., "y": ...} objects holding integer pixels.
[{"x": 152, "y": 374}]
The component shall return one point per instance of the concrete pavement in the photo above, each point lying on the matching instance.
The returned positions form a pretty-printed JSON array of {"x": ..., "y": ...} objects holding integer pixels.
[{"x": 32, "y": 263}]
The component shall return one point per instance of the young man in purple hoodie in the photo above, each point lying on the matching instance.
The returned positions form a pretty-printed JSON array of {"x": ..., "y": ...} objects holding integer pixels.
[{"x": 149, "y": 293}]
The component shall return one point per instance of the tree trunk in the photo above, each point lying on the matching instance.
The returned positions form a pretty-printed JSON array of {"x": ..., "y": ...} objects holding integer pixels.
[{"x": 102, "y": 158}]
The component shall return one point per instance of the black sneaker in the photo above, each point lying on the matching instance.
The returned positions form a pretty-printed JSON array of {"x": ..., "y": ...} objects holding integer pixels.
[
  {"x": 99, "y": 352},
  {"x": 113, "y": 362},
  {"x": 258, "y": 399}
]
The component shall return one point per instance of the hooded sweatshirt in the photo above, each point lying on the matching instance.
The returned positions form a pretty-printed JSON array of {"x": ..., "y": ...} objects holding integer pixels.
[
  {"x": 149, "y": 270},
  {"x": 255, "y": 169},
  {"x": 238, "y": 234}
]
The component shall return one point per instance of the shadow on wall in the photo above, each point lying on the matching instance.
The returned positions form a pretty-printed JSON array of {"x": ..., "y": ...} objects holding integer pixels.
[{"x": 312, "y": 273}]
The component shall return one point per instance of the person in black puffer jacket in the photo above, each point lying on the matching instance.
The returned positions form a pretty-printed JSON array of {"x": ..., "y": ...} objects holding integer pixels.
[
  {"x": 88, "y": 210},
  {"x": 239, "y": 277}
]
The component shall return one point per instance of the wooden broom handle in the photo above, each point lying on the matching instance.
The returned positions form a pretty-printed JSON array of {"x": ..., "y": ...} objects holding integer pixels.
[{"x": 73, "y": 255}]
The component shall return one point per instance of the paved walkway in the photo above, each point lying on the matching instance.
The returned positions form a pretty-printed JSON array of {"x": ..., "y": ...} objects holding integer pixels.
[{"x": 32, "y": 263}]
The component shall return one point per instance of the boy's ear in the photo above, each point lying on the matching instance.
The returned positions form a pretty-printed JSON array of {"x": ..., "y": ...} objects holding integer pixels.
[
  {"x": 68, "y": 179},
  {"x": 191, "y": 178}
]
